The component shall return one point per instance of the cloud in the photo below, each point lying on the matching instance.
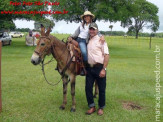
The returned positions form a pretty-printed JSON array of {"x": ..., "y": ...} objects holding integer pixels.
[
  {"x": 64, "y": 27},
  {"x": 24, "y": 24}
]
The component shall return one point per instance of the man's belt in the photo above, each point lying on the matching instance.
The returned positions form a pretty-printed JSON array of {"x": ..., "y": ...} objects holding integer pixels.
[{"x": 95, "y": 65}]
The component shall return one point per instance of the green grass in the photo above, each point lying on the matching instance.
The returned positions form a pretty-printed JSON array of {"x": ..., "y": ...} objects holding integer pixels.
[{"x": 130, "y": 77}]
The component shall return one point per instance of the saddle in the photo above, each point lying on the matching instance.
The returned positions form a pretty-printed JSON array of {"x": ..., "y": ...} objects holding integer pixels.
[{"x": 76, "y": 55}]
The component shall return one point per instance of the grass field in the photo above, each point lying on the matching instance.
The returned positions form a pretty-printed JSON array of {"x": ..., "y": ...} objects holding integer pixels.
[{"x": 130, "y": 77}]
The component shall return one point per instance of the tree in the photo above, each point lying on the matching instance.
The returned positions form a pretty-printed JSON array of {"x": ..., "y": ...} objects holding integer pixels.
[
  {"x": 22, "y": 29},
  {"x": 7, "y": 25},
  {"x": 45, "y": 22},
  {"x": 144, "y": 15},
  {"x": 112, "y": 10},
  {"x": 7, "y": 19},
  {"x": 5, "y": 5},
  {"x": 111, "y": 27}
]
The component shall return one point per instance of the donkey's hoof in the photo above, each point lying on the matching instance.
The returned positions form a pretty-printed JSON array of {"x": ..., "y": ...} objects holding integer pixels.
[
  {"x": 72, "y": 110},
  {"x": 62, "y": 107}
]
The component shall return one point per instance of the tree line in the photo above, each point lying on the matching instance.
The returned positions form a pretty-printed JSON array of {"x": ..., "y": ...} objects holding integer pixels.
[
  {"x": 122, "y": 33},
  {"x": 106, "y": 33}
]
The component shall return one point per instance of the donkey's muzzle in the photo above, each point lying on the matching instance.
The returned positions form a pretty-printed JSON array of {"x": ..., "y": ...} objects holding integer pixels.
[
  {"x": 35, "y": 59},
  {"x": 33, "y": 62}
]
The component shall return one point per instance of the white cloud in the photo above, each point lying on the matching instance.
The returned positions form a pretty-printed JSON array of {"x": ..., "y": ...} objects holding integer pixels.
[{"x": 24, "y": 24}]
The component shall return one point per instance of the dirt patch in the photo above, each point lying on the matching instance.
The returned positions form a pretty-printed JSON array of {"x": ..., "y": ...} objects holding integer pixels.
[{"x": 131, "y": 106}]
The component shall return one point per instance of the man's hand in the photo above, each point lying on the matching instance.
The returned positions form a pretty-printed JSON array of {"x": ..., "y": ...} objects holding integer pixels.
[
  {"x": 102, "y": 73},
  {"x": 102, "y": 39}
]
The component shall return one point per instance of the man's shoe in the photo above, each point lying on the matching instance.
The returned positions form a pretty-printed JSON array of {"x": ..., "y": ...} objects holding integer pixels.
[
  {"x": 91, "y": 110},
  {"x": 100, "y": 112}
]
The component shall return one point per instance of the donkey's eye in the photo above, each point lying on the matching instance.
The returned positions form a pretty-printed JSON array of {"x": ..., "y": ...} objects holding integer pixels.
[{"x": 42, "y": 44}]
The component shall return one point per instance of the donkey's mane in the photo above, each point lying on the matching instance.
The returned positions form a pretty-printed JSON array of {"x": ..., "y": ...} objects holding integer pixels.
[{"x": 56, "y": 40}]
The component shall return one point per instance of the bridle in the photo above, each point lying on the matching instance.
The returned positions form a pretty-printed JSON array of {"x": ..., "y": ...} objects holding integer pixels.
[
  {"x": 62, "y": 73},
  {"x": 46, "y": 50},
  {"x": 52, "y": 46}
]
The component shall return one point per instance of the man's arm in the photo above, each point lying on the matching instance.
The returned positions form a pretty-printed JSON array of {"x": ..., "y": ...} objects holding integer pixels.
[{"x": 106, "y": 61}]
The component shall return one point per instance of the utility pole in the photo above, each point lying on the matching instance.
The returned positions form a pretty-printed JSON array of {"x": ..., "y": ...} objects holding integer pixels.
[{"x": 0, "y": 76}]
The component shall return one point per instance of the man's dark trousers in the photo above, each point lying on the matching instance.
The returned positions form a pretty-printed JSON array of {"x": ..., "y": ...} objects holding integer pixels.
[{"x": 92, "y": 75}]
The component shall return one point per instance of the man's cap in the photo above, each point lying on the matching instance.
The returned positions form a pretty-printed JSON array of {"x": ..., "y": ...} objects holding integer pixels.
[{"x": 93, "y": 25}]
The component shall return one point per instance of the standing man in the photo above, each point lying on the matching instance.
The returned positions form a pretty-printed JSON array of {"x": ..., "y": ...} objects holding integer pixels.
[{"x": 98, "y": 58}]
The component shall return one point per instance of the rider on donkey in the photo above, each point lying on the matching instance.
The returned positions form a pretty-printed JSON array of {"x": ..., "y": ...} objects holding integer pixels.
[{"x": 81, "y": 34}]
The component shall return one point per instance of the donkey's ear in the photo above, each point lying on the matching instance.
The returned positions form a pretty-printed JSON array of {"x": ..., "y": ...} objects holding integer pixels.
[
  {"x": 48, "y": 31},
  {"x": 42, "y": 30}
]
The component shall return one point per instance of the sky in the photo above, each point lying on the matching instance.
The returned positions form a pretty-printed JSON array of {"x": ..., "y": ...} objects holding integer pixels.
[{"x": 64, "y": 27}]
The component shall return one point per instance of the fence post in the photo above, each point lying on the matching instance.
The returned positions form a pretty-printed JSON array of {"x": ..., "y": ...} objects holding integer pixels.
[{"x": 0, "y": 77}]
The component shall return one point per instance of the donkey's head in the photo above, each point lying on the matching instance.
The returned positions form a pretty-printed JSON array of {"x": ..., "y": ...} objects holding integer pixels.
[{"x": 43, "y": 47}]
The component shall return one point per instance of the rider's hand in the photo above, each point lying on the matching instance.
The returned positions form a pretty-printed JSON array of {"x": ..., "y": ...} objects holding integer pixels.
[
  {"x": 69, "y": 38},
  {"x": 102, "y": 39}
]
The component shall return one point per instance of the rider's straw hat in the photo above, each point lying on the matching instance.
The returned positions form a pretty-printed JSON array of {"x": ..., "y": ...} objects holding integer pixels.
[{"x": 87, "y": 13}]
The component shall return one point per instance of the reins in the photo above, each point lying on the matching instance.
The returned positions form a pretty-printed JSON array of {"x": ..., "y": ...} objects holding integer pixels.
[
  {"x": 43, "y": 72},
  {"x": 62, "y": 73}
]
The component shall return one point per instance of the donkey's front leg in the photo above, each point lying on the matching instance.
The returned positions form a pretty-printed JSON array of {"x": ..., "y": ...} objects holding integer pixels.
[
  {"x": 65, "y": 82},
  {"x": 72, "y": 79}
]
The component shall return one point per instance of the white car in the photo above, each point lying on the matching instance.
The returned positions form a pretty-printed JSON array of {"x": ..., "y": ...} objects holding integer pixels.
[
  {"x": 5, "y": 38},
  {"x": 16, "y": 34}
]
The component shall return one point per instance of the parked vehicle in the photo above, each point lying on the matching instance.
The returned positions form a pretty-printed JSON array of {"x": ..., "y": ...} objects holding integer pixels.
[
  {"x": 16, "y": 34},
  {"x": 5, "y": 38}
]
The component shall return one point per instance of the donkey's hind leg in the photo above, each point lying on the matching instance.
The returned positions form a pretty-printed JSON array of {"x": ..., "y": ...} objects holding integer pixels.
[
  {"x": 65, "y": 82},
  {"x": 96, "y": 90},
  {"x": 72, "y": 79}
]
